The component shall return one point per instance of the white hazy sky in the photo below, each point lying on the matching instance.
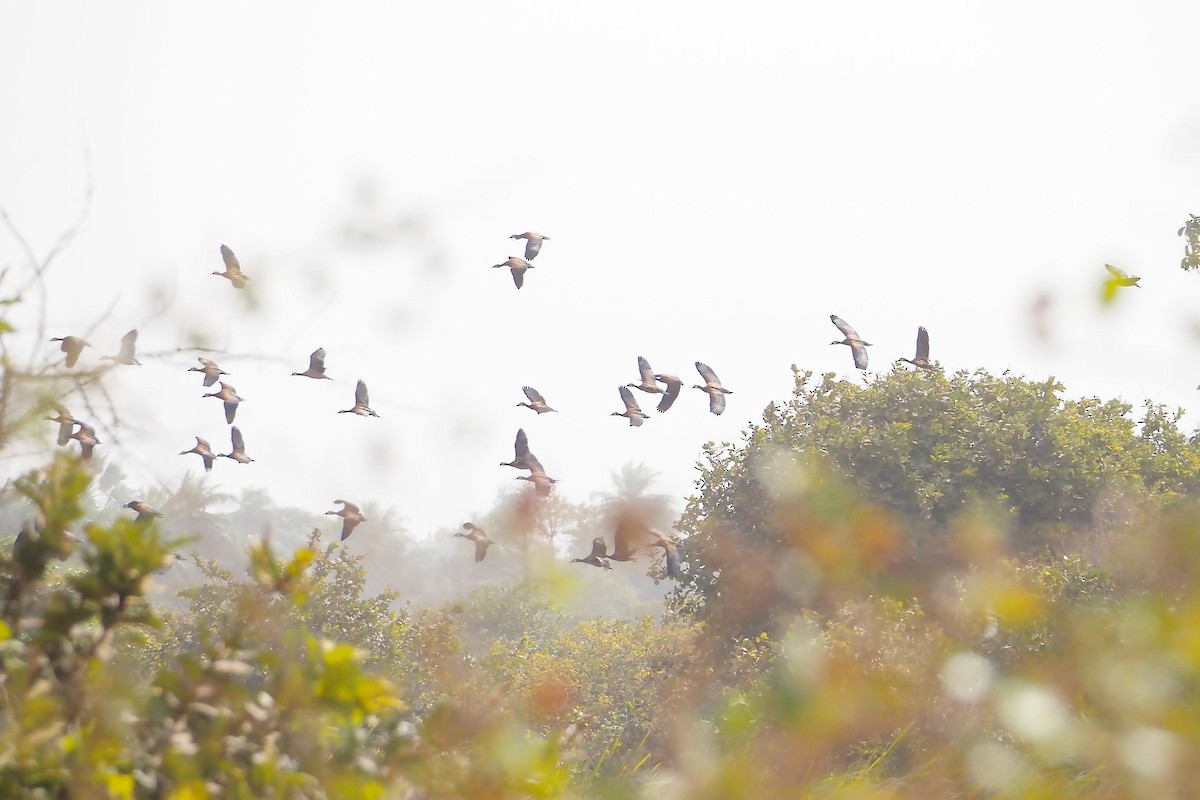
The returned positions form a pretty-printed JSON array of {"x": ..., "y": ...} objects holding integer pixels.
[{"x": 715, "y": 181}]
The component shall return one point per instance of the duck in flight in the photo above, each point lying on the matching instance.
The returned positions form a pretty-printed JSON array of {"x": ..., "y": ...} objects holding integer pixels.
[
  {"x": 712, "y": 386},
  {"x": 921, "y": 359},
  {"x": 72, "y": 346},
  {"x": 351, "y": 517},
  {"x": 233, "y": 269},
  {"x": 316, "y": 366},
  {"x": 533, "y": 243},
  {"x": 858, "y": 348},
  {"x": 517, "y": 266},
  {"x": 362, "y": 402},
  {"x": 632, "y": 411}
]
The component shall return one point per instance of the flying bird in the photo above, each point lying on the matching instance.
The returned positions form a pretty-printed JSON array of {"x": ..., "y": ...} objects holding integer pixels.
[
  {"x": 210, "y": 370},
  {"x": 233, "y": 270},
  {"x": 86, "y": 436},
  {"x": 205, "y": 452},
  {"x": 671, "y": 557},
  {"x": 518, "y": 267},
  {"x": 536, "y": 401},
  {"x": 533, "y": 244},
  {"x": 230, "y": 396},
  {"x": 712, "y": 387},
  {"x": 126, "y": 354},
  {"x": 523, "y": 458},
  {"x": 362, "y": 403},
  {"x": 598, "y": 557},
  {"x": 632, "y": 411},
  {"x": 674, "y": 384},
  {"x": 145, "y": 511},
  {"x": 543, "y": 484},
  {"x": 351, "y": 517},
  {"x": 922, "y": 357},
  {"x": 629, "y": 537},
  {"x": 72, "y": 346},
  {"x": 648, "y": 383},
  {"x": 477, "y": 535},
  {"x": 858, "y": 348},
  {"x": 66, "y": 424},
  {"x": 316, "y": 366},
  {"x": 238, "y": 453},
  {"x": 1122, "y": 278}
]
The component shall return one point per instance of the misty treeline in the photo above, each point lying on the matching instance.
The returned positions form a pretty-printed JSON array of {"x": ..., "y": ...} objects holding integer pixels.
[{"x": 929, "y": 585}]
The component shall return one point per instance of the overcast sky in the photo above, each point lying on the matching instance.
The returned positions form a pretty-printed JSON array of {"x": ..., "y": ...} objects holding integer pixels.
[{"x": 716, "y": 182}]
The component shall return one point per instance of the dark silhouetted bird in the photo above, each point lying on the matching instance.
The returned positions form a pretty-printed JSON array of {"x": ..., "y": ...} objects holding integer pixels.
[
  {"x": 229, "y": 396},
  {"x": 86, "y": 436},
  {"x": 671, "y": 557},
  {"x": 145, "y": 511},
  {"x": 598, "y": 557},
  {"x": 66, "y": 424},
  {"x": 362, "y": 402},
  {"x": 858, "y": 348},
  {"x": 533, "y": 243},
  {"x": 316, "y": 366},
  {"x": 233, "y": 270},
  {"x": 523, "y": 458},
  {"x": 517, "y": 266},
  {"x": 72, "y": 346},
  {"x": 543, "y": 484},
  {"x": 712, "y": 387},
  {"x": 536, "y": 401},
  {"x": 477, "y": 535},
  {"x": 632, "y": 411},
  {"x": 921, "y": 359},
  {"x": 351, "y": 517},
  {"x": 205, "y": 452},
  {"x": 210, "y": 370},
  {"x": 126, "y": 354}
]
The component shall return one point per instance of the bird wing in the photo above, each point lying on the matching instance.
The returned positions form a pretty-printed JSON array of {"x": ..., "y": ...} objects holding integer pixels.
[
  {"x": 716, "y": 402},
  {"x": 521, "y": 445},
  {"x": 128, "y": 341},
  {"x": 230, "y": 410},
  {"x": 860, "y": 355},
  {"x": 348, "y": 525},
  {"x": 845, "y": 328},
  {"x": 533, "y": 245},
  {"x": 533, "y": 394},
  {"x": 231, "y": 262},
  {"x": 348, "y": 506},
  {"x": 1117, "y": 271},
  {"x": 210, "y": 376},
  {"x": 518, "y": 274},
  {"x": 709, "y": 376},
  {"x": 239, "y": 444},
  {"x": 316, "y": 361},
  {"x": 360, "y": 394},
  {"x": 599, "y": 548},
  {"x": 481, "y": 546},
  {"x": 627, "y": 397},
  {"x": 674, "y": 561},
  {"x": 647, "y": 373},
  {"x": 668, "y": 398},
  {"x": 202, "y": 444},
  {"x": 922, "y": 344}
]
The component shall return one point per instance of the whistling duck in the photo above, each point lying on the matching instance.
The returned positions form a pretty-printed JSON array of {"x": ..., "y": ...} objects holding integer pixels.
[
  {"x": 536, "y": 401},
  {"x": 671, "y": 556},
  {"x": 351, "y": 517},
  {"x": 533, "y": 243},
  {"x": 523, "y": 458},
  {"x": 230, "y": 397},
  {"x": 674, "y": 384},
  {"x": 542, "y": 483},
  {"x": 126, "y": 353},
  {"x": 72, "y": 346},
  {"x": 922, "y": 357},
  {"x": 598, "y": 557},
  {"x": 632, "y": 412},
  {"x": 86, "y": 436},
  {"x": 233, "y": 270},
  {"x": 66, "y": 424},
  {"x": 145, "y": 511},
  {"x": 362, "y": 403},
  {"x": 1121, "y": 277},
  {"x": 477, "y": 535},
  {"x": 210, "y": 370},
  {"x": 858, "y": 348},
  {"x": 238, "y": 453},
  {"x": 316, "y": 366},
  {"x": 648, "y": 384},
  {"x": 712, "y": 387},
  {"x": 518, "y": 267},
  {"x": 205, "y": 452}
]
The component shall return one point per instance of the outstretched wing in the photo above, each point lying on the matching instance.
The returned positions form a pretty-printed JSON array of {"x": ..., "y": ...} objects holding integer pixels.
[
  {"x": 360, "y": 394},
  {"x": 316, "y": 362},
  {"x": 1117, "y": 271},
  {"x": 521, "y": 445},
  {"x": 860, "y": 355},
  {"x": 631, "y": 405},
  {"x": 239, "y": 444},
  {"x": 672, "y": 392},
  {"x": 128, "y": 341},
  {"x": 518, "y": 274},
  {"x": 709, "y": 376},
  {"x": 533, "y": 394},
  {"x": 716, "y": 402},
  {"x": 922, "y": 344},
  {"x": 844, "y": 327},
  {"x": 599, "y": 548},
  {"x": 533, "y": 246},
  {"x": 231, "y": 262},
  {"x": 647, "y": 373},
  {"x": 348, "y": 506},
  {"x": 481, "y": 546}
]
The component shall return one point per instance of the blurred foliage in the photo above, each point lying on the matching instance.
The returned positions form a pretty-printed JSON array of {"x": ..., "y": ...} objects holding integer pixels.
[{"x": 1191, "y": 250}]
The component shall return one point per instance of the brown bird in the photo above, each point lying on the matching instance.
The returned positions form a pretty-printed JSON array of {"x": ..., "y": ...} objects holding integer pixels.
[
  {"x": 523, "y": 459},
  {"x": 477, "y": 535},
  {"x": 86, "y": 436},
  {"x": 922, "y": 357},
  {"x": 598, "y": 557},
  {"x": 205, "y": 452},
  {"x": 350, "y": 515},
  {"x": 536, "y": 401},
  {"x": 518, "y": 267},
  {"x": 712, "y": 386},
  {"x": 533, "y": 243},
  {"x": 674, "y": 384},
  {"x": 632, "y": 411},
  {"x": 858, "y": 348},
  {"x": 145, "y": 511},
  {"x": 233, "y": 270},
  {"x": 126, "y": 354},
  {"x": 362, "y": 403},
  {"x": 543, "y": 484},
  {"x": 316, "y": 366},
  {"x": 66, "y": 424},
  {"x": 210, "y": 370},
  {"x": 648, "y": 384},
  {"x": 671, "y": 557},
  {"x": 629, "y": 537},
  {"x": 238, "y": 453},
  {"x": 230, "y": 396},
  {"x": 72, "y": 346}
]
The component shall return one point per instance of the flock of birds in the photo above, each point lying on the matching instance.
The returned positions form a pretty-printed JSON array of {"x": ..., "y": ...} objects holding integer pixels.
[{"x": 630, "y": 536}]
